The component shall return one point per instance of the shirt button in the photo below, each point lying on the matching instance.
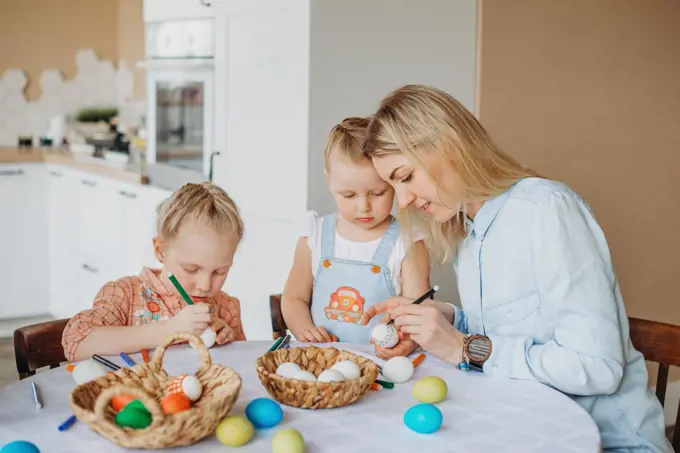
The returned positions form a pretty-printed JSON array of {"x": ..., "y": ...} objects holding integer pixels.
[
  {"x": 509, "y": 313},
  {"x": 494, "y": 368}
]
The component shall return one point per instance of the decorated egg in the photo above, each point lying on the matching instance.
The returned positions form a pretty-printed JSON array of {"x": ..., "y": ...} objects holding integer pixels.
[
  {"x": 430, "y": 389},
  {"x": 234, "y": 431},
  {"x": 288, "y": 440},
  {"x": 304, "y": 375},
  {"x": 208, "y": 336},
  {"x": 348, "y": 368},
  {"x": 264, "y": 413},
  {"x": 330, "y": 376},
  {"x": 88, "y": 370},
  {"x": 385, "y": 335},
  {"x": 423, "y": 418},
  {"x": 132, "y": 416},
  {"x": 173, "y": 403},
  {"x": 118, "y": 402},
  {"x": 288, "y": 370},
  {"x": 398, "y": 369},
  {"x": 19, "y": 446},
  {"x": 188, "y": 385}
]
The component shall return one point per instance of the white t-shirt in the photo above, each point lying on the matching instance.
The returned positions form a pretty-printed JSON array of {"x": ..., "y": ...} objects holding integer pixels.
[{"x": 359, "y": 251}]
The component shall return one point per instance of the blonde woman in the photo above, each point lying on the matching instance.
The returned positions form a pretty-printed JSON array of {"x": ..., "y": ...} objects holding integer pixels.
[{"x": 540, "y": 300}]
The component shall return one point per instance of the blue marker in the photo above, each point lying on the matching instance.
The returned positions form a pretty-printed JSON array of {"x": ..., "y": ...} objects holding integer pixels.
[
  {"x": 67, "y": 424},
  {"x": 127, "y": 359}
]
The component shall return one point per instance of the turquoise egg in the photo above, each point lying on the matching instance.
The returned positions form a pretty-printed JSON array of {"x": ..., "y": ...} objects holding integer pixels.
[
  {"x": 19, "y": 446},
  {"x": 423, "y": 418},
  {"x": 264, "y": 413}
]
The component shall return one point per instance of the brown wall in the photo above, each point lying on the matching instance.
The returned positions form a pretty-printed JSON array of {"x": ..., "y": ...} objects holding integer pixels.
[
  {"x": 45, "y": 34},
  {"x": 588, "y": 92}
]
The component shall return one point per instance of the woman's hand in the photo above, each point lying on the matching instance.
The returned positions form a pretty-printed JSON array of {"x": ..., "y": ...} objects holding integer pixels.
[
  {"x": 405, "y": 346},
  {"x": 383, "y": 307},
  {"x": 430, "y": 329}
]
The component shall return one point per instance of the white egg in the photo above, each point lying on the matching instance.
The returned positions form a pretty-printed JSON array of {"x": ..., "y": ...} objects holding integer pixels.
[
  {"x": 288, "y": 369},
  {"x": 191, "y": 387},
  {"x": 208, "y": 336},
  {"x": 330, "y": 376},
  {"x": 348, "y": 368},
  {"x": 398, "y": 369},
  {"x": 88, "y": 370},
  {"x": 385, "y": 335},
  {"x": 304, "y": 376}
]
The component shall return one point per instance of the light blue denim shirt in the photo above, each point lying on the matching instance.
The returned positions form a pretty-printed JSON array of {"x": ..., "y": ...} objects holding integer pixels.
[{"x": 535, "y": 275}]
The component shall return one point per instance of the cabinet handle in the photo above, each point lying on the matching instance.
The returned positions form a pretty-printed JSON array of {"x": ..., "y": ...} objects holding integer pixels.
[
  {"x": 87, "y": 182},
  {"x": 16, "y": 172},
  {"x": 56, "y": 174},
  {"x": 89, "y": 268},
  {"x": 127, "y": 194}
]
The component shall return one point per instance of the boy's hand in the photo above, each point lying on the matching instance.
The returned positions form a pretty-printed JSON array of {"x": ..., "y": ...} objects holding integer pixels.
[
  {"x": 317, "y": 335},
  {"x": 193, "y": 318},
  {"x": 225, "y": 334}
]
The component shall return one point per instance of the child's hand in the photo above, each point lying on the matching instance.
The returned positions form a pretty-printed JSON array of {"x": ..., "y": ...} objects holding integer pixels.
[
  {"x": 193, "y": 318},
  {"x": 404, "y": 347},
  {"x": 225, "y": 334},
  {"x": 317, "y": 335}
]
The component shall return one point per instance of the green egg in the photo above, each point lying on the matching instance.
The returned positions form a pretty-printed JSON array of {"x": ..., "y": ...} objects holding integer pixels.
[
  {"x": 136, "y": 404},
  {"x": 133, "y": 417}
]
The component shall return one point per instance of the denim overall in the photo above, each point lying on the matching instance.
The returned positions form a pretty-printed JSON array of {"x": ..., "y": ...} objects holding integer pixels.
[{"x": 344, "y": 289}]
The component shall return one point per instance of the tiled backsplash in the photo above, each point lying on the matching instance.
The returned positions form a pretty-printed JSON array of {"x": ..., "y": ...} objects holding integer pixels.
[{"x": 97, "y": 83}]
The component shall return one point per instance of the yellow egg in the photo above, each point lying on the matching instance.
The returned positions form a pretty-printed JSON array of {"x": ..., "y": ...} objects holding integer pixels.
[
  {"x": 430, "y": 389},
  {"x": 234, "y": 431},
  {"x": 288, "y": 440}
]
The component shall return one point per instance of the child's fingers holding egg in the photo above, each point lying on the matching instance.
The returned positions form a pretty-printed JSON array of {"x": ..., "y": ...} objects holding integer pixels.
[{"x": 225, "y": 335}]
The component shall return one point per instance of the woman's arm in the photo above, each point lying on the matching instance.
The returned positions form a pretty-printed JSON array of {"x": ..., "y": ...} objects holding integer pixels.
[
  {"x": 576, "y": 285},
  {"x": 297, "y": 293}
]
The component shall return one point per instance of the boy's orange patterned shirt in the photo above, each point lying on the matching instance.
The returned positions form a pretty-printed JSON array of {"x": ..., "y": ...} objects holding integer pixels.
[{"x": 144, "y": 299}]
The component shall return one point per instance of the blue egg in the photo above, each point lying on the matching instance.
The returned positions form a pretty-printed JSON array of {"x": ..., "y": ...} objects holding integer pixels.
[
  {"x": 19, "y": 446},
  {"x": 264, "y": 413},
  {"x": 423, "y": 418}
]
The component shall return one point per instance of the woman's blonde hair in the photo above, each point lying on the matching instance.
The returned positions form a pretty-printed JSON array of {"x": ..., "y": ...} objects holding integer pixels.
[
  {"x": 346, "y": 138},
  {"x": 441, "y": 136},
  {"x": 206, "y": 203}
]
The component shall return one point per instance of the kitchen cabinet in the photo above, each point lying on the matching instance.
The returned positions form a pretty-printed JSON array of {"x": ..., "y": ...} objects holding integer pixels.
[
  {"x": 65, "y": 233},
  {"x": 24, "y": 267},
  {"x": 164, "y": 10}
]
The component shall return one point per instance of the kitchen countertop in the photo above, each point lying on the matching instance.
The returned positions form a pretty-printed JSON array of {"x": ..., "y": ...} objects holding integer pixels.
[{"x": 79, "y": 161}]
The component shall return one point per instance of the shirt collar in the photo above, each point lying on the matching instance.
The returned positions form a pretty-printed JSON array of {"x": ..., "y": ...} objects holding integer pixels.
[
  {"x": 486, "y": 214},
  {"x": 152, "y": 279}
]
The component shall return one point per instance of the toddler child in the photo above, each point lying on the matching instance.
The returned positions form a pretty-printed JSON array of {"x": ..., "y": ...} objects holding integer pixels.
[
  {"x": 198, "y": 231},
  {"x": 347, "y": 261}
]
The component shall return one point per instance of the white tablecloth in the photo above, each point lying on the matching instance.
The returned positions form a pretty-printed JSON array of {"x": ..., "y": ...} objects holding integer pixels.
[{"x": 481, "y": 413}]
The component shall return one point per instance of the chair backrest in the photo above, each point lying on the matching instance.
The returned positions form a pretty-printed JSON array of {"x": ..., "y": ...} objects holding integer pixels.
[
  {"x": 660, "y": 343},
  {"x": 279, "y": 327},
  {"x": 39, "y": 345}
]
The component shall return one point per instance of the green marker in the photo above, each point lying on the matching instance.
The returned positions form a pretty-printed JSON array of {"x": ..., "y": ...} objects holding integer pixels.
[{"x": 184, "y": 294}]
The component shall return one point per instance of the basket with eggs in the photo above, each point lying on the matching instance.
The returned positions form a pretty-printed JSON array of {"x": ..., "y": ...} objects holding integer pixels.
[
  {"x": 143, "y": 407},
  {"x": 311, "y": 377}
]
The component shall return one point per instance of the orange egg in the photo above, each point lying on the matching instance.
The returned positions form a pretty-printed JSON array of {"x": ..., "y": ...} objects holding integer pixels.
[
  {"x": 120, "y": 401},
  {"x": 175, "y": 402}
]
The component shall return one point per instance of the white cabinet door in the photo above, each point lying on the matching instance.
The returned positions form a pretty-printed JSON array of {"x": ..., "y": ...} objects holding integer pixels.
[{"x": 24, "y": 276}]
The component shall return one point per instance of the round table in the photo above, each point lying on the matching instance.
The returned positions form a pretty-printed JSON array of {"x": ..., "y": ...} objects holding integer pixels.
[{"x": 481, "y": 413}]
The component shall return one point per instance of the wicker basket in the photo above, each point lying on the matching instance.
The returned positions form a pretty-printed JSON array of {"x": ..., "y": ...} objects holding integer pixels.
[
  {"x": 149, "y": 383},
  {"x": 314, "y": 395}
]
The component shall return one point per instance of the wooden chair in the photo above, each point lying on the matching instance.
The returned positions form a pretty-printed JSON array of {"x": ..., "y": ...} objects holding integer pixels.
[
  {"x": 39, "y": 345},
  {"x": 279, "y": 327},
  {"x": 659, "y": 343}
]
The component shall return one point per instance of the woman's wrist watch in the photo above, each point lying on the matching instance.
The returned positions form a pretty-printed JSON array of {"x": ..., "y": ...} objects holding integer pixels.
[{"x": 476, "y": 351}]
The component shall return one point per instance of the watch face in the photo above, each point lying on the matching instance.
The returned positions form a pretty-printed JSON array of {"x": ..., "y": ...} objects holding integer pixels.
[{"x": 479, "y": 349}]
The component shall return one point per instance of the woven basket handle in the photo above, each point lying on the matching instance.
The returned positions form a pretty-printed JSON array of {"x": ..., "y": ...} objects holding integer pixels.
[
  {"x": 107, "y": 395},
  {"x": 194, "y": 340}
]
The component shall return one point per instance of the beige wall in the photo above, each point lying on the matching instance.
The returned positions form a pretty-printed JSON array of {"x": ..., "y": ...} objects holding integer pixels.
[
  {"x": 45, "y": 34},
  {"x": 588, "y": 92}
]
